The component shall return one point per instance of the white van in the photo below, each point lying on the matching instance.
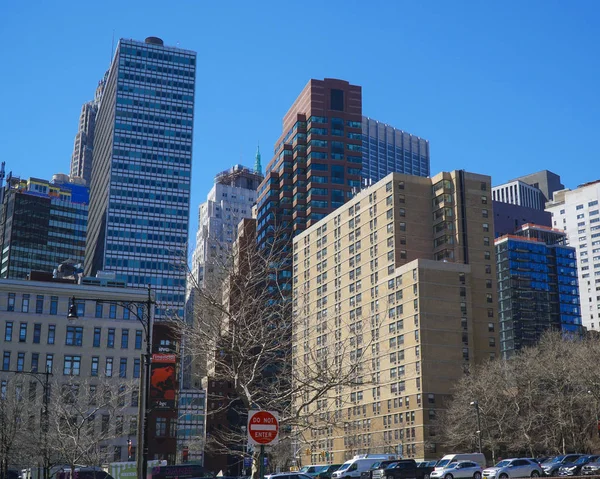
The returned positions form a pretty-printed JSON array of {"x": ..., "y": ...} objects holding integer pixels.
[
  {"x": 450, "y": 458},
  {"x": 360, "y": 463}
]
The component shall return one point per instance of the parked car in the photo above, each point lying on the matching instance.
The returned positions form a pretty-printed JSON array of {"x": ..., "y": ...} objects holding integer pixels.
[
  {"x": 402, "y": 469},
  {"x": 510, "y": 468},
  {"x": 325, "y": 471},
  {"x": 426, "y": 464},
  {"x": 288, "y": 475},
  {"x": 458, "y": 470},
  {"x": 552, "y": 466},
  {"x": 591, "y": 469},
  {"x": 377, "y": 465},
  {"x": 450, "y": 458},
  {"x": 359, "y": 464},
  {"x": 311, "y": 470},
  {"x": 574, "y": 468}
]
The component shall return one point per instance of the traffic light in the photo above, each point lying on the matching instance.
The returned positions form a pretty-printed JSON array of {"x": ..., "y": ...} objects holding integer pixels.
[{"x": 308, "y": 451}]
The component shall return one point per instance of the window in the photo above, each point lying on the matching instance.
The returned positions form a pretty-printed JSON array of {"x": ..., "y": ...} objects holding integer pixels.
[
  {"x": 109, "y": 367},
  {"x": 492, "y": 342},
  {"x": 486, "y": 227},
  {"x": 138, "y": 339},
  {"x": 486, "y": 241},
  {"x": 6, "y": 361},
  {"x": 35, "y": 359},
  {"x": 20, "y": 361},
  {"x": 74, "y": 336},
  {"x": 337, "y": 99},
  {"x": 126, "y": 312},
  {"x": 124, "y": 338},
  {"x": 25, "y": 304},
  {"x": 37, "y": 333},
  {"x": 136, "y": 368},
  {"x": 95, "y": 365},
  {"x": 110, "y": 339},
  {"x": 39, "y": 304},
  {"x": 484, "y": 200},
  {"x": 49, "y": 362},
  {"x": 105, "y": 423},
  {"x": 80, "y": 308},
  {"x": 23, "y": 333},
  {"x": 8, "y": 331},
  {"x": 123, "y": 368},
  {"x": 53, "y": 305},
  {"x": 97, "y": 337},
  {"x": 72, "y": 365},
  {"x": 11, "y": 302},
  {"x": 99, "y": 308},
  {"x": 112, "y": 313},
  {"x": 161, "y": 426},
  {"x": 488, "y": 297},
  {"x": 51, "y": 333},
  {"x": 135, "y": 397},
  {"x": 488, "y": 283},
  {"x": 491, "y": 327}
]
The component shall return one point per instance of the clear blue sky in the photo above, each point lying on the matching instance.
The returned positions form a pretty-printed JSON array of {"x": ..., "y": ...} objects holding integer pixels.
[{"x": 498, "y": 87}]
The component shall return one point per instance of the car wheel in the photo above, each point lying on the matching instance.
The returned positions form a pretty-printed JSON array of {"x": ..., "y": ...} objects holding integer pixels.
[
  {"x": 448, "y": 476},
  {"x": 503, "y": 476},
  {"x": 477, "y": 475},
  {"x": 535, "y": 474},
  {"x": 426, "y": 476}
]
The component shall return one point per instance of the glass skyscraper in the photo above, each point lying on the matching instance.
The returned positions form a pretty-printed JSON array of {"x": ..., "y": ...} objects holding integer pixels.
[
  {"x": 43, "y": 224},
  {"x": 386, "y": 150},
  {"x": 141, "y": 173},
  {"x": 537, "y": 287}
]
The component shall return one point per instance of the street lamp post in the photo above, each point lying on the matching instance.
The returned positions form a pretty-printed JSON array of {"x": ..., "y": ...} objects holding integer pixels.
[
  {"x": 475, "y": 404},
  {"x": 146, "y": 321}
]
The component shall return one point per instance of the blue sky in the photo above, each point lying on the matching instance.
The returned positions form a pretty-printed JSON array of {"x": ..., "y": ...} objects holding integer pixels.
[{"x": 501, "y": 88}]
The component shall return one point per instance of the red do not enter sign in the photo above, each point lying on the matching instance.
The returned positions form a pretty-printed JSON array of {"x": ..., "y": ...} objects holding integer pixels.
[{"x": 263, "y": 427}]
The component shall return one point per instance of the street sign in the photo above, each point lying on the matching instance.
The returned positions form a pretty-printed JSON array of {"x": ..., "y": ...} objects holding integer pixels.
[{"x": 263, "y": 428}]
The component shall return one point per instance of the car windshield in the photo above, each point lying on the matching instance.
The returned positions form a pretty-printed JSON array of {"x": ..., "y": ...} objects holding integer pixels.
[
  {"x": 555, "y": 459},
  {"x": 503, "y": 464},
  {"x": 345, "y": 466},
  {"x": 442, "y": 463},
  {"x": 321, "y": 468},
  {"x": 390, "y": 465},
  {"x": 306, "y": 469}
]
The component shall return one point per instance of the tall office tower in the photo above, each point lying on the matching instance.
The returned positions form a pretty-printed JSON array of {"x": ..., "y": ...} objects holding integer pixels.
[
  {"x": 228, "y": 202},
  {"x": 400, "y": 285},
  {"x": 81, "y": 160},
  {"x": 140, "y": 188},
  {"x": 317, "y": 161},
  {"x": 545, "y": 180},
  {"x": 577, "y": 213},
  {"x": 386, "y": 150},
  {"x": 43, "y": 224},
  {"x": 537, "y": 287}
]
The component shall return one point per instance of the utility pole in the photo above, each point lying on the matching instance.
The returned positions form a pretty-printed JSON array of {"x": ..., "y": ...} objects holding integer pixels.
[{"x": 475, "y": 404}]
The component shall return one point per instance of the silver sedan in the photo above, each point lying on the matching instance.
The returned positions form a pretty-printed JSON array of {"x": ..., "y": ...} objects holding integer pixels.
[{"x": 458, "y": 470}]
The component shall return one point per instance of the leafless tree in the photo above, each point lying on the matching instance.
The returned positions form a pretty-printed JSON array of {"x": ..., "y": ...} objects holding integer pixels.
[
  {"x": 245, "y": 326},
  {"x": 85, "y": 417},
  {"x": 543, "y": 400}
]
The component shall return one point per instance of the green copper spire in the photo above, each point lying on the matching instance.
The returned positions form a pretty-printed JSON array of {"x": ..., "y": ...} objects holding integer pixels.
[{"x": 257, "y": 165}]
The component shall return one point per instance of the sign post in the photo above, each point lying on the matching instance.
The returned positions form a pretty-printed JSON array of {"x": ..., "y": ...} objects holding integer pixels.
[{"x": 263, "y": 430}]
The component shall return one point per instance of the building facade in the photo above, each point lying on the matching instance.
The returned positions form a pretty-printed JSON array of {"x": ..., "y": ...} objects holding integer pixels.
[
  {"x": 546, "y": 181},
  {"x": 44, "y": 223},
  {"x": 386, "y": 150},
  {"x": 140, "y": 188},
  {"x": 83, "y": 147},
  {"x": 191, "y": 426},
  {"x": 537, "y": 287},
  {"x": 519, "y": 193},
  {"x": 400, "y": 284},
  {"x": 508, "y": 218},
  {"x": 577, "y": 213},
  {"x": 103, "y": 346}
]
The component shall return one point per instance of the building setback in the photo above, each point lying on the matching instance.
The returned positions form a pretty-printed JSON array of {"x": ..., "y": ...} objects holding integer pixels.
[
  {"x": 546, "y": 181},
  {"x": 386, "y": 150},
  {"x": 537, "y": 287},
  {"x": 578, "y": 214},
  {"x": 44, "y": 224},
  {"x": 83, "y": 147},
  {"x": 401, "y": 282}
]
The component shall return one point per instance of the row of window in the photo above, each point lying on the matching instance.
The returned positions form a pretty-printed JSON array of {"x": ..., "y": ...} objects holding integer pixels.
[
  {"x": 74, "y": 335},
  {"x": 72, "y": 364}
]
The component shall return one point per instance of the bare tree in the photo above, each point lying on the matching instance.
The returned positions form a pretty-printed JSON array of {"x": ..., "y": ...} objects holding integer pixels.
[
  {"x": 544, "y": 400},
  {"x": 246, "y": 325},
  {"x": 86, "y": 416}
]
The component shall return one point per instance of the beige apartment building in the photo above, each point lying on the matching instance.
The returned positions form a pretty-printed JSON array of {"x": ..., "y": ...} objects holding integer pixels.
[
  {"x": 102, "y": 346},
  {"x": 400, "y": 284}
]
